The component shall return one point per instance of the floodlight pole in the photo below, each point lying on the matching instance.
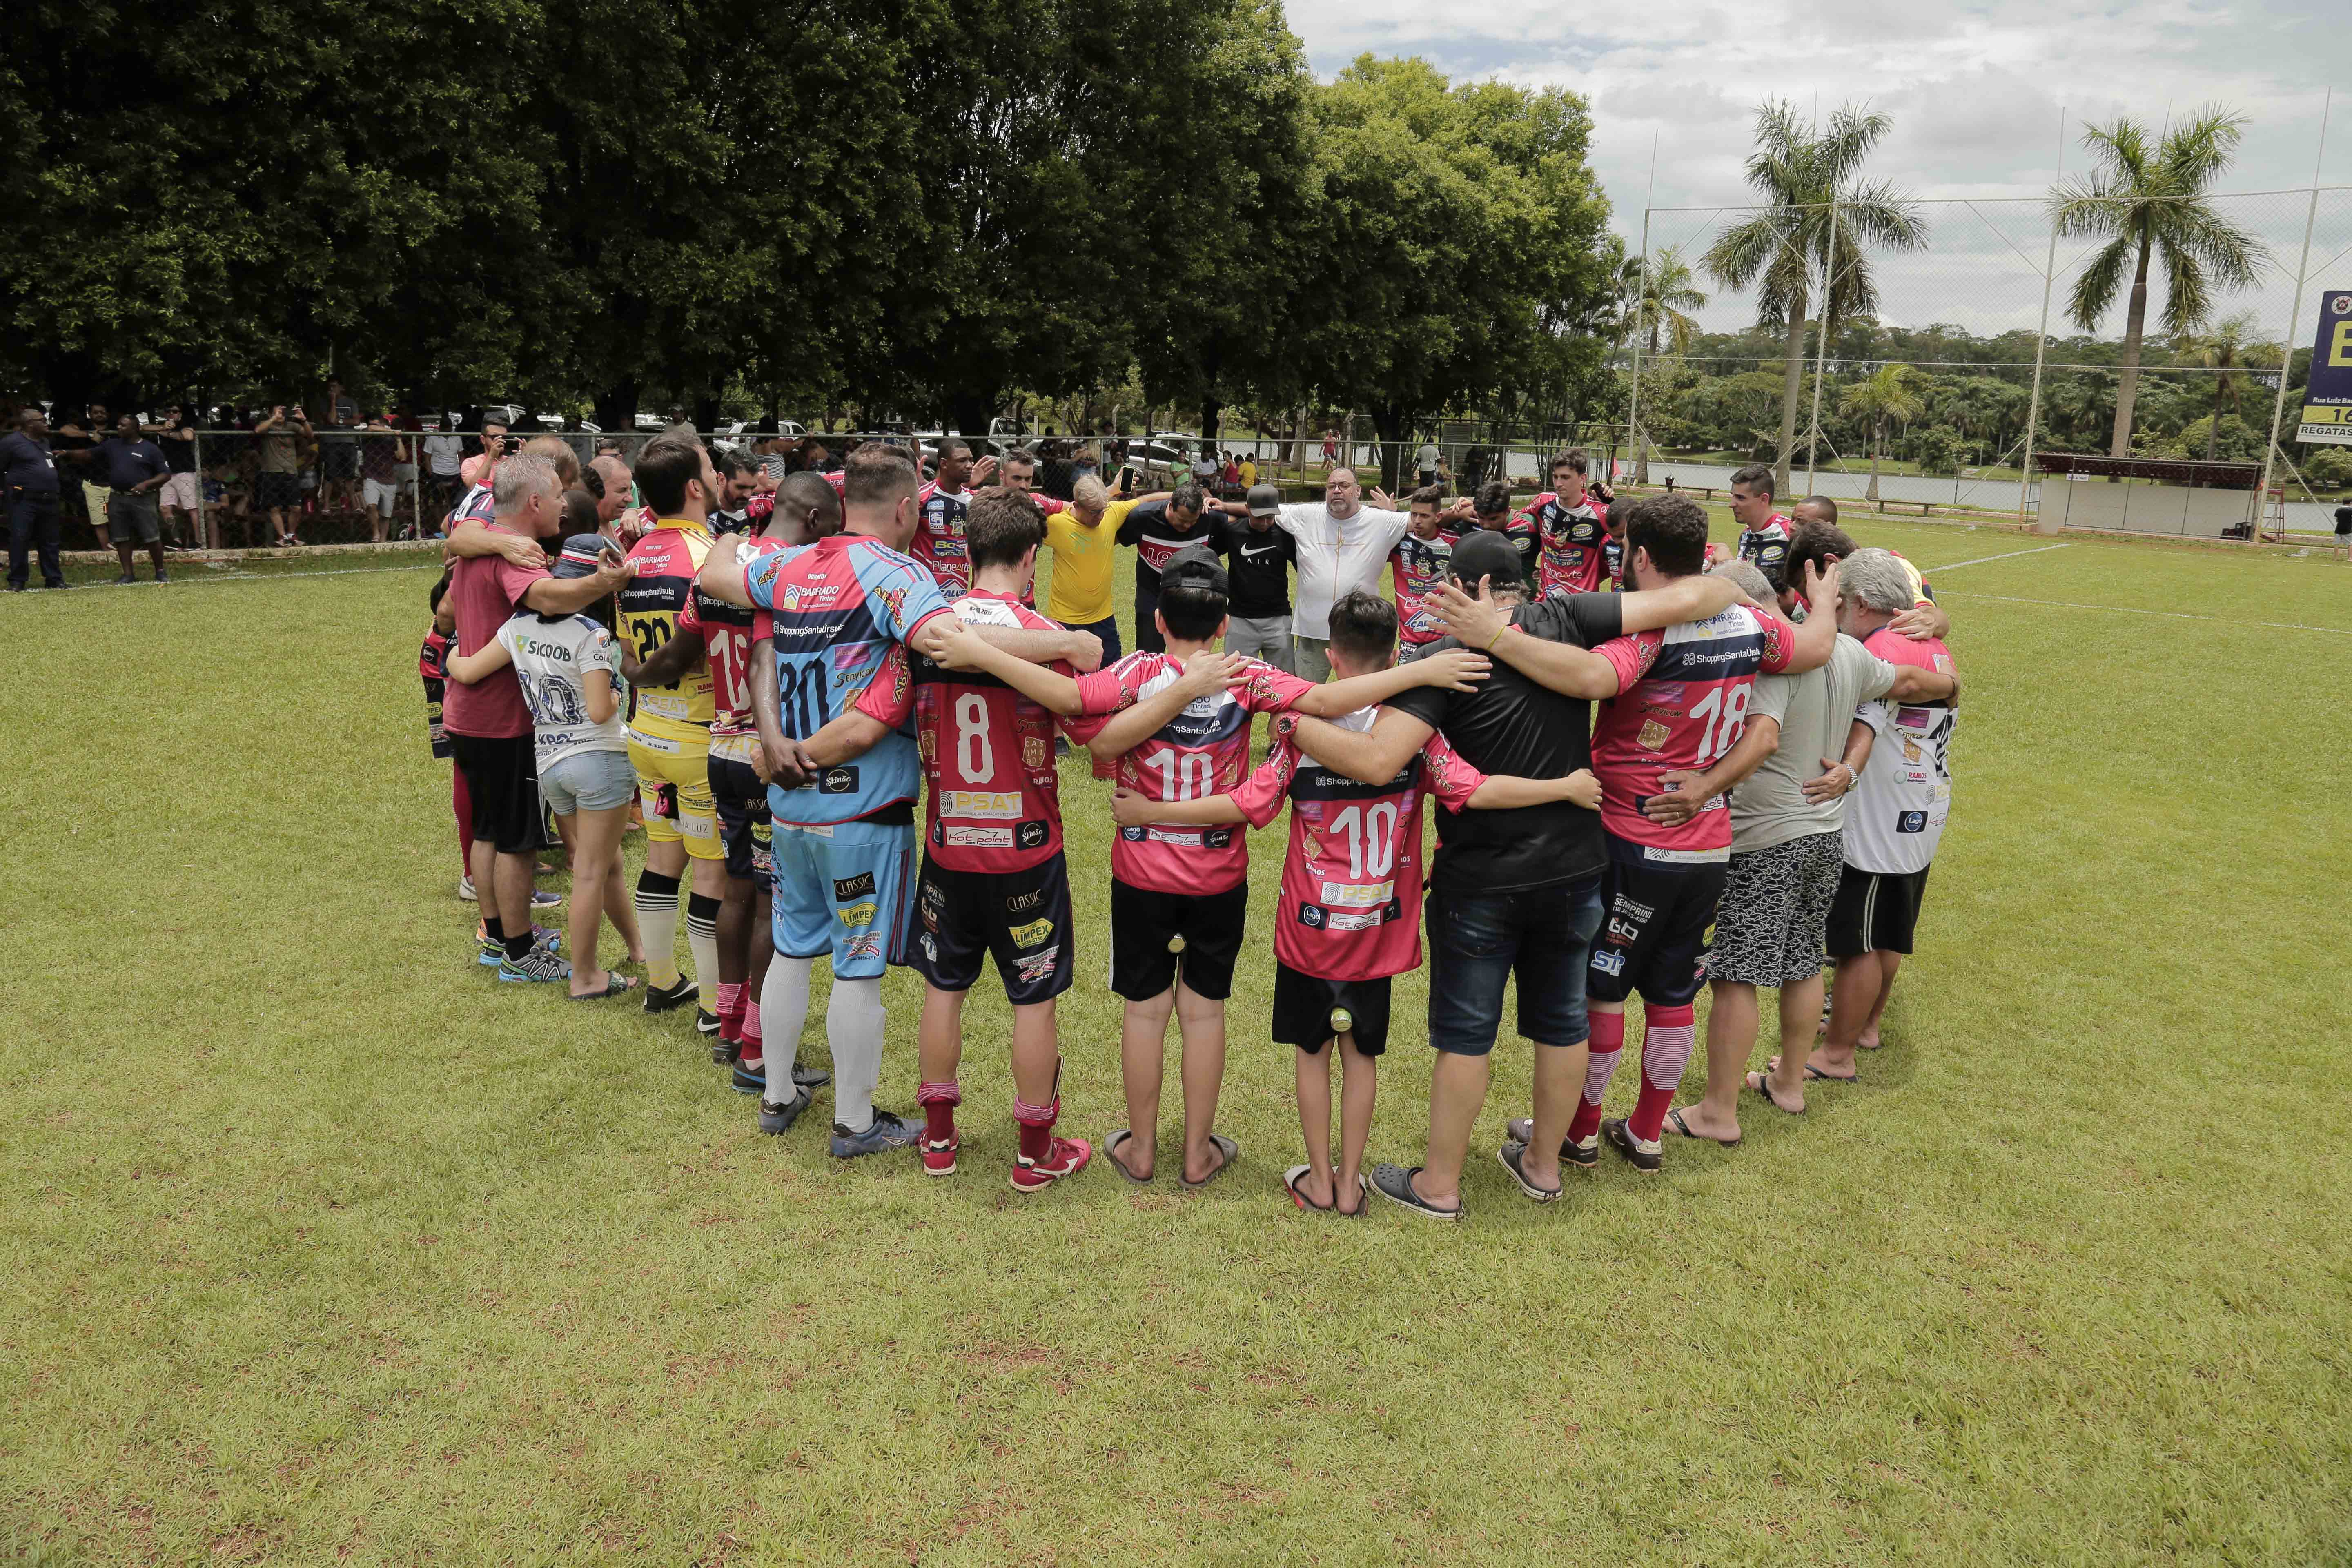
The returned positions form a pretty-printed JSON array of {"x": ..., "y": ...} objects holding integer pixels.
[
  {"x": 1640, "y": 304},
  {"x": 2042, "y": 338},
  {"x": 2294, "y": 319},
  {"x": 1822, "y": 349}
]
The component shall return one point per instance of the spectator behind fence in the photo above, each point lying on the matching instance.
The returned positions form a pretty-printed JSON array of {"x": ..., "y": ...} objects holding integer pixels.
[
  {"x": 28, "y": 477},
  {"x": 279, "y": 489},
  {"x": 339, "y": 454},
  {"x": 182, "y": 493},
  {"x": 81, "y": 498},
  {"x": 445, "y": 454},
  {"x": 381, "y": 450},
  {"x": 135, "y": 469}
]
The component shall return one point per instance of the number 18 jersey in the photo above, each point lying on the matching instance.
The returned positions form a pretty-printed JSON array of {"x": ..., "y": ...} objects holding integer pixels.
[{"x": 1200, "y": 752}]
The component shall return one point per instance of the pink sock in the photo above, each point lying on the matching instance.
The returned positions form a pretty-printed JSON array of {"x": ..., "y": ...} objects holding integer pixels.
[
  {"x": 754, "y": 1044},
  {"x": 1608, "y": 1045},
  {"x": 1668, "y": 1037}
]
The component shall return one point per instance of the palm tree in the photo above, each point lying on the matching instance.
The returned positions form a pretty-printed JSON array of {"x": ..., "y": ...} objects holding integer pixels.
[
  {"x": 2150, "y": 204},
  {"x": 1798, "y": 241},
  {"x": 2226, "y": 351},
  {"x": 1659, "y": 294},
  {"x": 1890, "y": 392}
]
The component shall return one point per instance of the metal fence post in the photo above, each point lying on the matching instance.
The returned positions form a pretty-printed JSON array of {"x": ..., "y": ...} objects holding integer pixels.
[
  {"x": 2294, "y": 319},
  {"x": 2042, "y": 338}
]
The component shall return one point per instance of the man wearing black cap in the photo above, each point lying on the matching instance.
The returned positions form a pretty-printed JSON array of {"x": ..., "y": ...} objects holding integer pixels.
[
  {"x": 1512, "y": 893},
  {"x": 1257, "y": 561}
]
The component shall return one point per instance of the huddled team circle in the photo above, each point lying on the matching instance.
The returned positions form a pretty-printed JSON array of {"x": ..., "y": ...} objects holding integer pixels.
[{"x": 1656, "y": 765}]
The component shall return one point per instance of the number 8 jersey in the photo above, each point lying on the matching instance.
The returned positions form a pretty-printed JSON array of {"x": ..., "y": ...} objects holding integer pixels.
[
  {"x": 1201, "y": 752},
  {"x": 1681, "y": 703}
]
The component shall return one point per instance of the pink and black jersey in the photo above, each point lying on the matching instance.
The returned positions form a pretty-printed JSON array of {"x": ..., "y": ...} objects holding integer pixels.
[
  {"x": 1200, "y": 752},
  {"x": 1416, "y": 565},
  {"x": 1570, "y": 540},
  {"x": 1681, "y": 703},
  {"x": 939, "y": 536},
  {"x": 1767, "y": 548},
  {"x": 728, "y": 631},
  {"x": 988, "y": 752},
  {"x": 1350, "y": 900}
]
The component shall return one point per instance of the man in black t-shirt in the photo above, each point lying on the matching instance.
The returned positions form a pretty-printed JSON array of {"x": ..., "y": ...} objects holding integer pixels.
[
  {"x": 2344, "y": 530},
  {"x": 1513, "y": 892},
  {"x": 1258, "y": 556},
  {"x": 1157, "y": 529}
]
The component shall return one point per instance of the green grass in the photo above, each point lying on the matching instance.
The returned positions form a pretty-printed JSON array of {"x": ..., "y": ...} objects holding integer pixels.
[{"x": 318, "y": 1244}]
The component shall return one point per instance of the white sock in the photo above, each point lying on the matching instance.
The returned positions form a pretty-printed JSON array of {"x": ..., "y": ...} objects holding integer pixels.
[
  {"x": 852, "y": 1024},
  {"x": 702, "y": 942},
  {"x": 784, "y": 1008},
  {"x": 657, "y": 903}
]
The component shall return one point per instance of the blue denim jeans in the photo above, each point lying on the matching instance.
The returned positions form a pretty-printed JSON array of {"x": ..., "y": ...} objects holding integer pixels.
[{"x": 1479, "y": 941}]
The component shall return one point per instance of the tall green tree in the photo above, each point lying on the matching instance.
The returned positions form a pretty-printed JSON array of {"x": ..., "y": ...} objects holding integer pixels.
[
  {"x": 1451, "y": 247},
  {"x": 1659, "y": 295},
  {"x": 2229, "y": 350},
  {"x": 1811, "y": 239},
  {"x": 1889, "y": 394},
  {"x": 2149, "y": 198}
]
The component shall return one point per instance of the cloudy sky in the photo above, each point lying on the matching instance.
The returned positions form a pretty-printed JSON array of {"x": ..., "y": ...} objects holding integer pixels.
[{"x": 1975, "y": 91}]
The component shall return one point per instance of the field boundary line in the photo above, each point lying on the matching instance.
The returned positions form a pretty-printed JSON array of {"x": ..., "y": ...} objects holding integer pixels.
[
  {"x": 2007, "y": 555},
  {"x": 2166, "y": 614}
]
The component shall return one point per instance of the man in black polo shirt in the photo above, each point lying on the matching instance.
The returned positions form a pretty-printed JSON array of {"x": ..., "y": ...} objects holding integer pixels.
[
  {"x": 132, "y": 468},
  {"x": 1512, "y": 892},
  {"x": 1159, "y": 530},
  {"x": 1257, "y": 564},
  {"x": 29, "y": 479}
]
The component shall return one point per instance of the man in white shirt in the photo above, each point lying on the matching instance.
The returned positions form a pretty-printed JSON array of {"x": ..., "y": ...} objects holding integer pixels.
[
  {"x": 445, "y": 456},
  {"x": 1343, "y": 545}
]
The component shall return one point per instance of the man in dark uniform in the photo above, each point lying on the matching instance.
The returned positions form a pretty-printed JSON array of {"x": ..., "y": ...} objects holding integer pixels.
[{"x": 28, "y": 478}]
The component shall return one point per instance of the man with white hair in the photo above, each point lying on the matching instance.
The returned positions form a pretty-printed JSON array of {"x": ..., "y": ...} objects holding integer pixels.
[
  {"x": 1896, "y": 820},
  {"x": 1787, "y": 859},
  {"x": 1083, "y": 537},
  {"x": 1343, "y": 545}
]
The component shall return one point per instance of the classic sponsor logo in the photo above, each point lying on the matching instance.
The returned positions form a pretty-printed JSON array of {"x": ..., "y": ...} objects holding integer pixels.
[
  {"x": 858, "y": 914},
  {"x": 847, "y": 887},
  {"x": 1131, "y": 835},
  {"x": 1911, "y": 821},
  {"x": 994, "y": 805},
  {"x": 1218, "y": 838},
  {"x": 1311, "y": 916},
  {"x": 1036, "y": 966},
  {"x": 1032, "y": 933},
  {"x": 1021, "y": 902},
  {"x": 979, "y": 837},
  {"x": 1609, "y": 961},
  {"x": 1358, "y": 895},
  {"x": 838, "y": 780},
  {"x": 1033, "y": 834},
  {"x": 867, "y": 946}
]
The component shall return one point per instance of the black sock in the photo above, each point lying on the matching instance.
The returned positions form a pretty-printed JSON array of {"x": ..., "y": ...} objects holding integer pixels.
[{"x": 495, "y": 930}]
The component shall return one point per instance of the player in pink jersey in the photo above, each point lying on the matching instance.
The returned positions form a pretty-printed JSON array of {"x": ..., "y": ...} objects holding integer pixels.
[
  {"x": 940, "y": 509},
  {"x": 1348, "y": 916},
  {"x": 1570, "y": 532},
  {"x": 1180, "y": 895},
  {"x": 1764, "y": 533},
  {"x": 1419, "y": 562}
]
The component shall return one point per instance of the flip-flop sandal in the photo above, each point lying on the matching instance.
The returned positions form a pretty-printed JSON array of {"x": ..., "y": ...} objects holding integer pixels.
[
  {"x": 1224, "y": 1146},
  {"x": 1675, "y": 1117},
  {"x": 614, "y": 985},
  {"x": 1815, "y": 1075},
  {"x": 1363, "y": 1200},
  {"x": 1110, "y": 1147},
  {"x": 1763, "y": 1084},
  {"x": 1290, "y": 1183}
]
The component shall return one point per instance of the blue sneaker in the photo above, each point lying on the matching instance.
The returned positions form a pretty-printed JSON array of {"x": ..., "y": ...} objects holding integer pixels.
[
  {"x": 774, "y": 1117},
  {"x": 537, "y": 965},
  {"x": 887, "y": 1132},
  {"x": 540, "y": 899},
  {"x": 753, "y": 1081}
]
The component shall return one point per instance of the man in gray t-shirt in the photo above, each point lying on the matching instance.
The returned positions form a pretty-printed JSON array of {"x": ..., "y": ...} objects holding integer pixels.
[{"x": 1799, "y": 755}]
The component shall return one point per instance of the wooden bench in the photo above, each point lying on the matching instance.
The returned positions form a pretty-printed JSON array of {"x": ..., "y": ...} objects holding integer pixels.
[{"x": 1914, "y": 508}]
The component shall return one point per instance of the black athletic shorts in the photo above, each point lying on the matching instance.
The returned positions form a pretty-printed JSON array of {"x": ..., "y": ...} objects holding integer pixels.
[
  {"x": 1304, "y": 1004},
  {"x": 1021, "y": 918},
  {"x": 1875, "y": 911},
  {"x": 1143, "y": 924},
  {"x": 502, "y": 776},
  {"x": 278, "y": 491},
  {"x": 743, "y": 804},
  {"x": 1657, "y": 919}
]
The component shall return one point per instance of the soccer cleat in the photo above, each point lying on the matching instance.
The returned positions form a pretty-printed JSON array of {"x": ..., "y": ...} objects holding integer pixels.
[
  {"x": 887, "y": 1132},
  {"x": 1067, "y": 1157},
  {"x": 465, "y": 891},
  {"x": 754, "y": 1080},
  {"x": 774, "y": 1117},
  {"x": 726, "y": 1052},
  {"x": 677, "y": 996},
  {"x": 1522, "y": 1129},
  {"x": 707, "y": 1022},
  {"x": 810, "y": 1078},
  {"x": 939, "y": 1156},
  {"x": 1643, "y": 1151},
  {"x": 538, "y": 964}
]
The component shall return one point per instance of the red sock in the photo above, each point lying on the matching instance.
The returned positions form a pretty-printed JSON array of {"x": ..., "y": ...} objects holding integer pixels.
[
  {"x": 755, "y": 1048},
  {"x": 1608, "y": 1045},
  {"x": 1036, "y": 1126},
  {"x": 730, "y": 1009},
  {"x": 1668, "y": 1037},
  {"x": 939, "y": 1101}
]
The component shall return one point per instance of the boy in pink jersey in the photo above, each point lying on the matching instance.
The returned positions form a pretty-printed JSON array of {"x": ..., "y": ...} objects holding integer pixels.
[
  {"x": 940, "y": 509},
  {"x": 1420, "y": 562},
  {"x": 1180, "y": 895},
  {"x": 1680, "y": 703},
  {"x": 1348, "y": 916},
  {"x": 1569, "y": 534}
]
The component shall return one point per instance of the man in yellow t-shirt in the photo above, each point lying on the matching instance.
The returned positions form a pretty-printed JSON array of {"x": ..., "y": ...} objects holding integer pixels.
[
  {"x": 1249, "y": 469},
  {"x": 1081, "y": 539}
]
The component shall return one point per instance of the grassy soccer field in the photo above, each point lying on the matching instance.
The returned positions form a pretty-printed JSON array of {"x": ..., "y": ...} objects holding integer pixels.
[{"x": 317, "y": 1243}]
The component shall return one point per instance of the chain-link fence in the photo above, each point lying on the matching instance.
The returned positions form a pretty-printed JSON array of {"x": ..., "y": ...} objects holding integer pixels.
[{"x": 1964, "y": 338}]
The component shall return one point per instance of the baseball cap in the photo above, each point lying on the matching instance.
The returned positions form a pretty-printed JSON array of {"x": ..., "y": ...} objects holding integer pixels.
[
  {"x": 1196, "y": 567},
  {"x": 1486, "y": 553},
  {"x": 1264, "y": 500},
  {"x": 581, "y": 555}
]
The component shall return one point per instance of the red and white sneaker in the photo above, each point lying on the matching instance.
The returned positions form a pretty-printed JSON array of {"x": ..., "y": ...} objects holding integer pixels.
[
  {"x": 939, "y": 1159},
  {"x": 1067, "y": 1157}
]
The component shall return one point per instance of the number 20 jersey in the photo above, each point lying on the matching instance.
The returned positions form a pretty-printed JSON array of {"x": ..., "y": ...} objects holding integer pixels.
[
  {"x": 668, "y": 560},
  {"x": 835, "y": 609},
  {"x": 1201, "y": 752},
  {"x": 1350, "y": 901}
]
